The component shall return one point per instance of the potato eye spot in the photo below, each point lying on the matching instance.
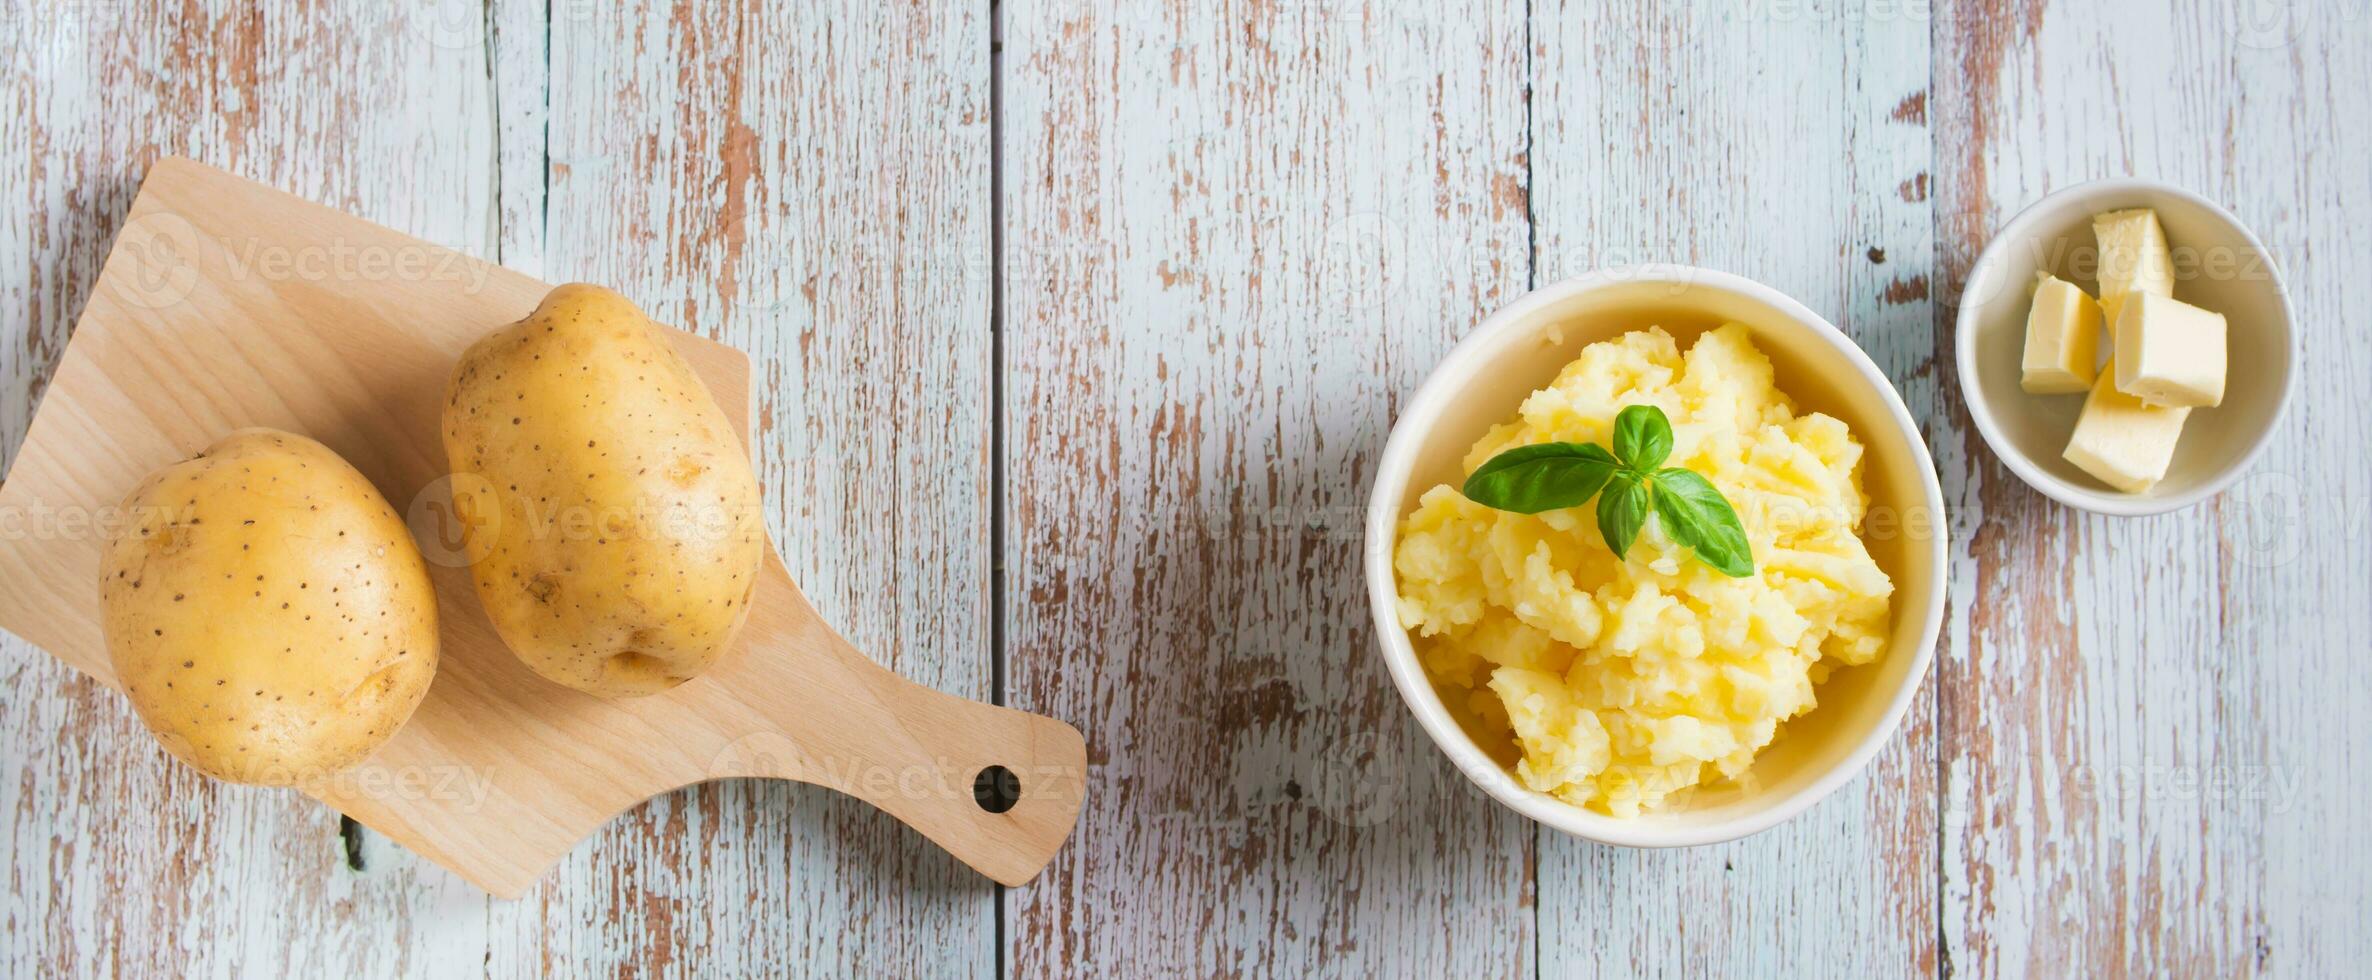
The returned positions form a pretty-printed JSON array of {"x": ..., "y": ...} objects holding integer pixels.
[
  {"x": 380, "y": 683},
  {"x": 685, "y": 471},
  {"x": 171, "y": 539},
  {"x": 640, "y": 667}
]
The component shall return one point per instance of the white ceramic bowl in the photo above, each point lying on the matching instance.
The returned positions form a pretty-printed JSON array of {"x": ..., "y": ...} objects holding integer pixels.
[
  {"x": 2219, "y": 266},
  {"x": 1520, "y": 349}
]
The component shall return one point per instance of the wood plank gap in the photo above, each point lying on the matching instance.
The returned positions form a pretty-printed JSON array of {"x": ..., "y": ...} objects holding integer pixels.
[
  {"x": 350, "y": 834},
  {"x": 543, "y": 203},
  {"x": 1532, "y": 282},
  {"x": 996, "y": 416},
  {"x": 1936, "y": 26},
  {"x": 487, "y": 48}
]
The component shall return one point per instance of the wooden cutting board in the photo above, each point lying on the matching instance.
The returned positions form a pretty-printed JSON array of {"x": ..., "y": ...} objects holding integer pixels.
[{"x": 227, "y": 304}]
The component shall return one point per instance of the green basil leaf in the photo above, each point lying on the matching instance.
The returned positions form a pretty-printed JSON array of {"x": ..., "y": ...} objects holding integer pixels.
[
  {"x": 1531, "y": 479},
  {"x": 1642, "y": 437},
  {"x": 1695, "y": 514},
  {"x": 1622, "y": 509}
]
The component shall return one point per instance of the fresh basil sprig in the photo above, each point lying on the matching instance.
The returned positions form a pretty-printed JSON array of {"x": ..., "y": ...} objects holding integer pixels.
[{"x": 1628, "y": 482}]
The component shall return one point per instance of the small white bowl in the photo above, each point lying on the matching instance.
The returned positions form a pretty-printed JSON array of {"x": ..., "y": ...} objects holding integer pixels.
[
  {"x": 1520, "y": 349},
  {"x": 2219, "y": 265}
]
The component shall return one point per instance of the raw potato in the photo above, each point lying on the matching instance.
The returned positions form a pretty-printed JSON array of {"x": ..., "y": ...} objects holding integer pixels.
[
  {"x": 267, "y": 611},
  {"x": 611, "y": 504}
]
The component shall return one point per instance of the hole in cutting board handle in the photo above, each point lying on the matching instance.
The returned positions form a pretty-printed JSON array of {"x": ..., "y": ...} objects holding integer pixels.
[{"x": 996, "y": 789}]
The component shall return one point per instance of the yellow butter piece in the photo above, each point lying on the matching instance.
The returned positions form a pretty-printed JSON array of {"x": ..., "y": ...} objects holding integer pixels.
[
  {"x": 2122, "y": 440},
  {"x": 2133, "y": 257},
  {"x": 2170, "y": 353},
  {"x": 2062, "y": 339}
]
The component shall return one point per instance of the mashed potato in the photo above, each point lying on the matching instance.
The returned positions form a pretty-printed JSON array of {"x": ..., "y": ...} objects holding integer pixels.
[{"x": 1623, "y": 682}]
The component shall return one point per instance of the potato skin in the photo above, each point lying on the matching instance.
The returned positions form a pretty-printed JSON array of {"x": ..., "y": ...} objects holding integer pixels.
[
  {"x": 266, "y": 610},
  {"x": 612, "y": 507}
]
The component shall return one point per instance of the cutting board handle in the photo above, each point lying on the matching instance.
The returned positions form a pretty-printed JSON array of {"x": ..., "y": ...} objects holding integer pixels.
[{"x": 998, "y": 788}]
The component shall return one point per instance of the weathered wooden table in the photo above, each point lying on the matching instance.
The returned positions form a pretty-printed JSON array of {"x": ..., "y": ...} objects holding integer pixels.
[{"x": 1079, "y": 328}]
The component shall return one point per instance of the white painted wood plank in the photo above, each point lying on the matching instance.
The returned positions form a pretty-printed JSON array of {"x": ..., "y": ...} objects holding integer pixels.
[
  {"x": 2295, "y": 610},
  {"x": 1235, "y": 235},
  {"x": 519, "y": 34},
  {"x": 2154, "y": 728},
  {"x": 1787, "y": 144},
  {"x": 805, "y": 183},
  {"x": 119, "y": 860}
]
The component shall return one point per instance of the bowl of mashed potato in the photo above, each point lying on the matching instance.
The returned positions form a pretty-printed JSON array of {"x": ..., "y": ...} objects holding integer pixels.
[{"x": 1648, "y": 699}]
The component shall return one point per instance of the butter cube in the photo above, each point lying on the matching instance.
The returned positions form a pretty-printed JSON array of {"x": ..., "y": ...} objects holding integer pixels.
[
  {"x": 2062, "y": 339},
  {"x": 2123, "y": 441},
  {"x": 2170, "y": 353},
  {"x": 2133, "y": 257}
]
